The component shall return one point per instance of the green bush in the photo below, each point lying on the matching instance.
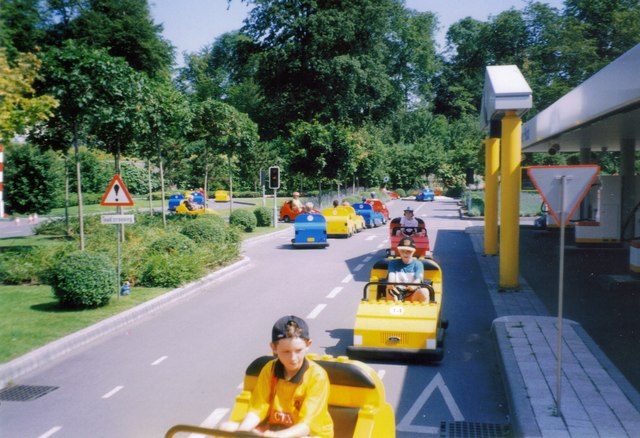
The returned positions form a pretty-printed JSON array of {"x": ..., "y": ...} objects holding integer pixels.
[
  {"x": 205, "y": 230},
  {"x": 245, "y": 219},
  {"x": 164, "y": 270},
  {"x": 264, "y": 216},
  {"x": 454, "y": 192},
  {"x": 401, "y": 192},
  {"x": 173, "y": 243},
  {"x": 83, "y": 280}
]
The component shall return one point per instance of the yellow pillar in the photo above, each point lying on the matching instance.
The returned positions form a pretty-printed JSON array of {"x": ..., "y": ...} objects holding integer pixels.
[
  {"x": 492, "y": 166},
  {"x": 510, "y": 200}
]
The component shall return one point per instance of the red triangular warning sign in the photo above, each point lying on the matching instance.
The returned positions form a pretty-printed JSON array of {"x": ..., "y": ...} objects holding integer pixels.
[
  {"x": 549, "y": 180},
  {"x": 116, "y": 194}
]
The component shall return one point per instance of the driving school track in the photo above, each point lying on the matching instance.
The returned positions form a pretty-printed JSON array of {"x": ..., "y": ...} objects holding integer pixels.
[{"x": 185, "y": 364}]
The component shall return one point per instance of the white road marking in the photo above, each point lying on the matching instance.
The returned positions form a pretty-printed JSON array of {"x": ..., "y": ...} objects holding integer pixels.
[
  {"x": 381, "y": 373},
  {"x": 357, "y": 268},
  {"x": 437, "y": 382},
  {"x": 315, "y": 312},
  {"x": 112, "y": 392},
  {"x": 240, "y": 386},
  {"x": 334, "y": 292},
  {"x": 50, "y": 432},
  {"x": 382, "y": 245},
  {"x": 367, "y": 259},
  {"x": 371, "y": 237},
  {"x": 347, "y": 279},
  {"x": 159, "y": 360},
  {"x": 211, "y": 421}
]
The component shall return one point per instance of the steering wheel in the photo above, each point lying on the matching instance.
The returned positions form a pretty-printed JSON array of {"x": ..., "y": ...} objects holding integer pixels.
[{"x": 408, "y": 231}]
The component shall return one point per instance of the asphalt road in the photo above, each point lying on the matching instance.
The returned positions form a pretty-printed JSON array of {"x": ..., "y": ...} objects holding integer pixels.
[{"x": 186, "y": 363}]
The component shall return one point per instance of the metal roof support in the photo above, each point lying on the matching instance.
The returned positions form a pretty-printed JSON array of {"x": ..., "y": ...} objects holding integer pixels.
[{"x": 506, "y": 97}]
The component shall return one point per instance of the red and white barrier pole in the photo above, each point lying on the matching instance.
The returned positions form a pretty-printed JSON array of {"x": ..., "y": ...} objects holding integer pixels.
[{"x": 1, "y": 181}]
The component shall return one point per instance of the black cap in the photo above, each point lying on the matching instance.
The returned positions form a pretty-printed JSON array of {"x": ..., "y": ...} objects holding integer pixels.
[
  {"x": 407, "y": 243},
  {"x": 279, "y": 330}
]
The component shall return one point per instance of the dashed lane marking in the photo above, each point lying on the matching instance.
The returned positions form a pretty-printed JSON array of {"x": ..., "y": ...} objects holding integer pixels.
[
  {"x": 315, "y": 312},
  {"x": 50, "y": 432},
  {"x": 357, "y": 268},
  {"x": 159, "y": 360},
  {"x": 211, "y": 421},
  {"x": 367, "y": 259},
  {"x": 370, "y": 237},
  {"x": 334, "y": 292},
  {"x": 347, "y": 279},
  {"x": 112, "y": 392}
]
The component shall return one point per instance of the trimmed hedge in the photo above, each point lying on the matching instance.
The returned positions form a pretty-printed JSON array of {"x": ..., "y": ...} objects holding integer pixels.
[
  {"x": 207, "y": 230},
  {"x": 264, "y": 216},
  {"x": 245, "y": 219},
  {"x": 173, "y": 243},
  {"x": 83, "y": 280}
]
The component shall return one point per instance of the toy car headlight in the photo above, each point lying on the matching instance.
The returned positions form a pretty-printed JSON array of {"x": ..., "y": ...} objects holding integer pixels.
[
  {"x": 431, "y": 344},
  {"x": 357, "y": 339}
]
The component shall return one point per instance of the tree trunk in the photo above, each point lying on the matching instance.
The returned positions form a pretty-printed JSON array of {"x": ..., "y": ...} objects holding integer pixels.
[
  {"x": 150, "y": 187},
  {"x": 206, "y": 174},
  {"x": 79, "y": 183},
  {"x": 164, "y": 212},
  {"x": 230, "y": 185},
  {"x": 66, "y": 195}
]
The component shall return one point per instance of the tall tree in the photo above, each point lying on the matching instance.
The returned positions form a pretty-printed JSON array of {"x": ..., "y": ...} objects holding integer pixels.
[
  {"x": 327, "y": 60},
  {"x": 95, "y": 93},
  {"x": 20, "y": 108}
]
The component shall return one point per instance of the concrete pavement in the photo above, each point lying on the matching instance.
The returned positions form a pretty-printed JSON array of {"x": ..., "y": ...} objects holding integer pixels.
[{"x": 596, "y": 400}]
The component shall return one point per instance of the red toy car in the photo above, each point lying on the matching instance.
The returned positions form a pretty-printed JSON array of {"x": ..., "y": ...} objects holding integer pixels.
[
  {"x": 288, "y": 212},
  {"x": 418, "y": 234},
  {"x": 379, "y": 206}
]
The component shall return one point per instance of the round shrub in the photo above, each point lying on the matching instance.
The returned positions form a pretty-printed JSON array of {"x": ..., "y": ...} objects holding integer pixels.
[
  {"x": 83, "y": 280},
  {"x": 264, "y": 216},
  {"x": 401, "y": 192},
  {"x": 164, "y": 270},
  {"x": 173, "y": 243},
  {"x": 204, "y": 231},
  {"x": 245, "y": 219}
]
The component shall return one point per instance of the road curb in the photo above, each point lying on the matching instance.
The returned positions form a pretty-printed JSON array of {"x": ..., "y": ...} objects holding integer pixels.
[
  {"x": 61, "y": 347},
  {"x": 523, "y": 418}
]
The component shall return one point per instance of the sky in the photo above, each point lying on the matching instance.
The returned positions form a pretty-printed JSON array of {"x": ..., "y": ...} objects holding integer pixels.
[{"x": 191, "y": 25}]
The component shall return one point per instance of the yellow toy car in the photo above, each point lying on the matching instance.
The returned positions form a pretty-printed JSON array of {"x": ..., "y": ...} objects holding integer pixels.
[
  {"x": 193, "y": 209},
  {"x": 399, "y": 330},
  {"x": 221, "y": 196},
  {"x": 357, "y": 401},
  {"x": 358, "y": 220},
  {"x": 339, "y": 221}
]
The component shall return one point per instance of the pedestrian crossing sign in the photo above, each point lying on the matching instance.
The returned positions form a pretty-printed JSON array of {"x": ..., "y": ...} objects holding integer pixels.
[{"x": 116, "y": 194}]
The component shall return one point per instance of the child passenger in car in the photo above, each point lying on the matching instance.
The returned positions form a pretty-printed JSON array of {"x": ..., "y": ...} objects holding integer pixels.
[{"x": 291, "y": 396}]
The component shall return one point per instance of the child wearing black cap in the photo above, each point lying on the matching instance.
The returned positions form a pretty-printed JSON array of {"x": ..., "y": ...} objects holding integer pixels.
[
  {"x": 406, "y": 270},
  {"x": 291, "y": 396}
]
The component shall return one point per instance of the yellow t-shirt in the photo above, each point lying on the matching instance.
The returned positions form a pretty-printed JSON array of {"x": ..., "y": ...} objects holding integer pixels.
[{"x": 303, "y": 399}]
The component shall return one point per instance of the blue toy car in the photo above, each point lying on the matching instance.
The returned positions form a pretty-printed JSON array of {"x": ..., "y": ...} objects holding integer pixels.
[
  {"x": 310, "y": 231},
  {"x": 175, "y": 200},
  {"x": 372, "y": 218},
  {"x": 426, "y": 195}
]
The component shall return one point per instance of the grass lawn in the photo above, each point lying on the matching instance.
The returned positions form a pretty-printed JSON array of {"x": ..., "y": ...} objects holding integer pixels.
[{"x": 31, "y": 317}]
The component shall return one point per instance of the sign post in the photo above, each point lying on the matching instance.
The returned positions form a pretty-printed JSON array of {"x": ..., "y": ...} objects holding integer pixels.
[
  {"x": 117, "y": 195},
  {"x": 562, "y": 188}
]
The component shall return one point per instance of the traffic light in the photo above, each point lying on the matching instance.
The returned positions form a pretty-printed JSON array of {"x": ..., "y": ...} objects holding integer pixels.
[{"x": 274, "y": 177}]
